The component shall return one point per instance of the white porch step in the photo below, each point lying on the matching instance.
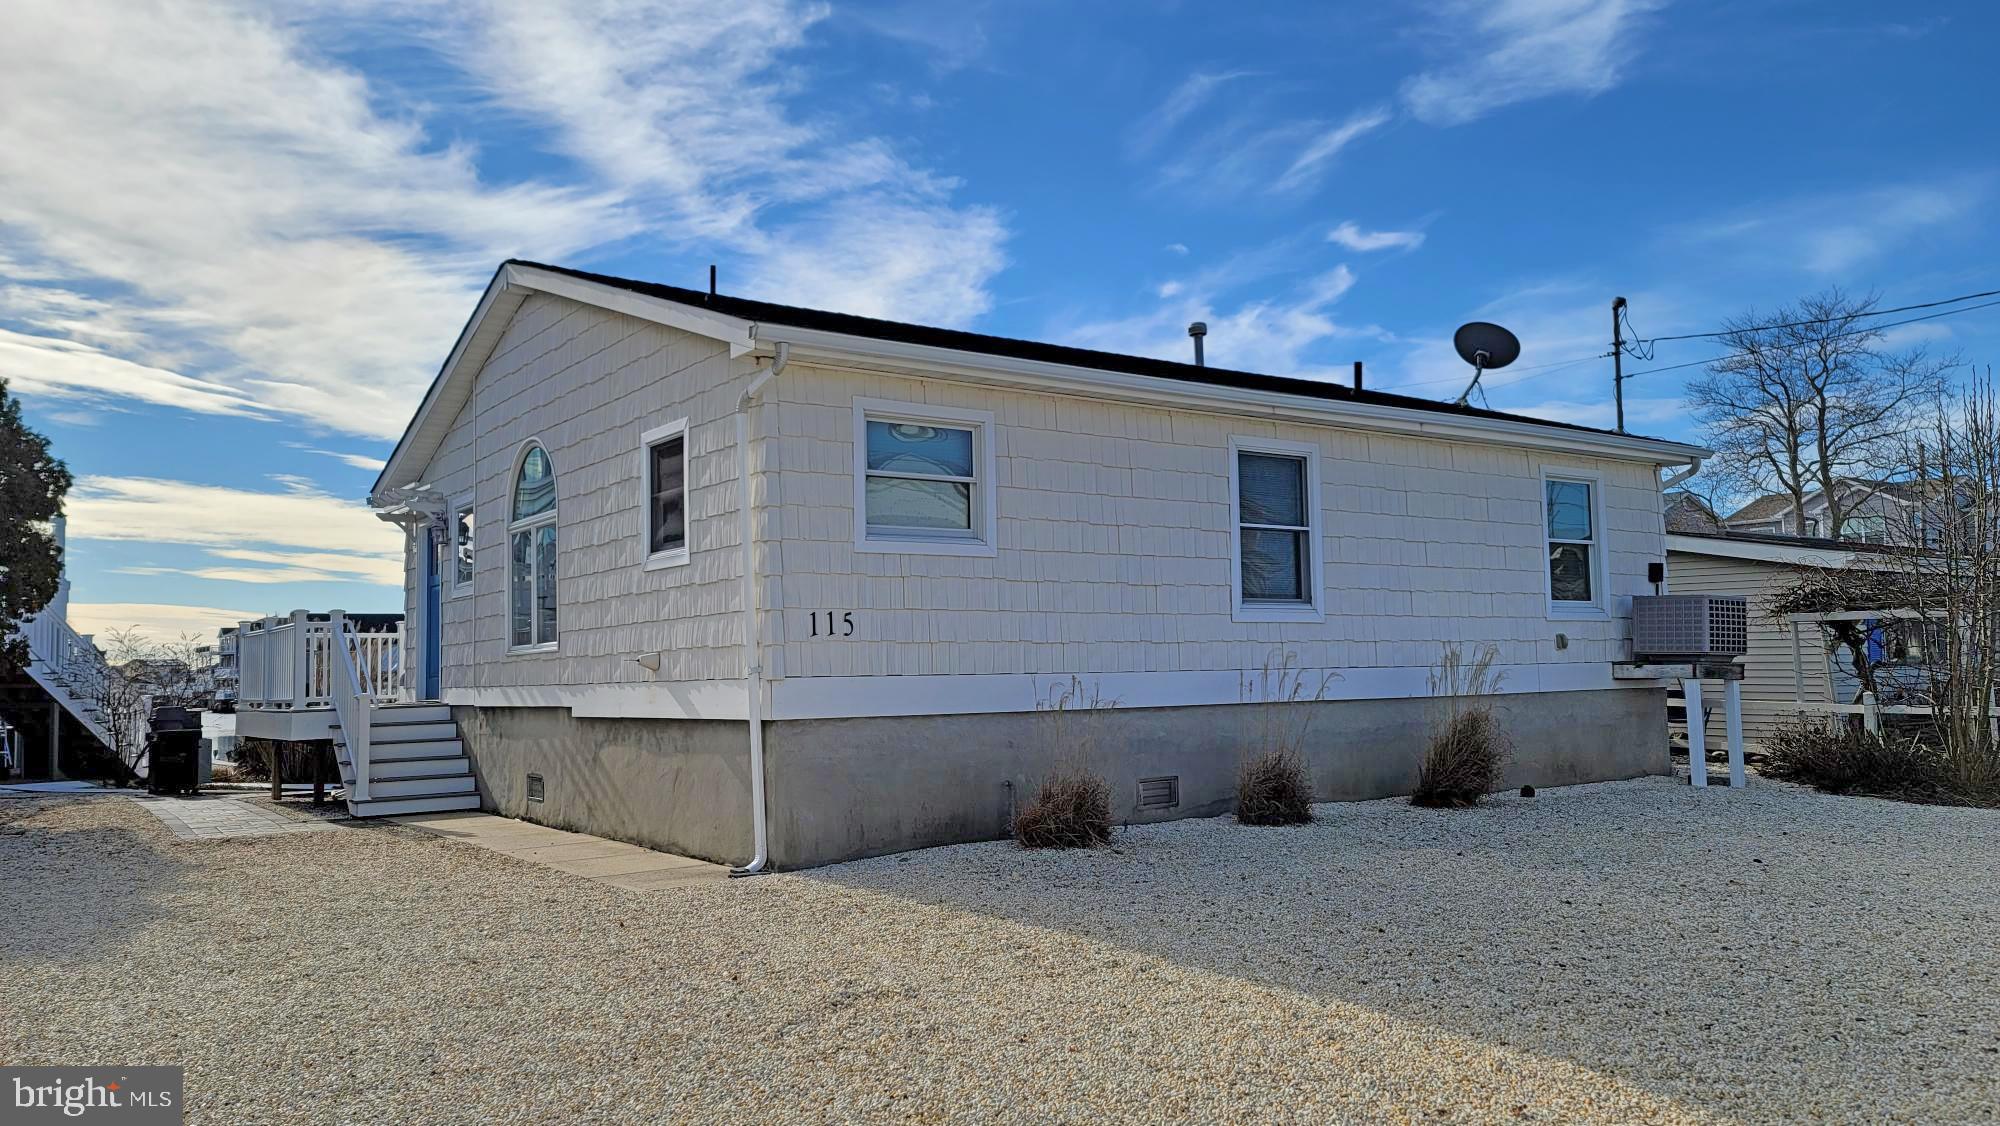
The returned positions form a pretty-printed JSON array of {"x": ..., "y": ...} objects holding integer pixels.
[
  {"x": 392, "y": 806},
  {"x": 379, "y": 752},
  {"x": 380, "y": 732},
  {"x": 424, "y": 787},
  {"x": 379, "y": 771},
  {"x": 413, "y": 713}
]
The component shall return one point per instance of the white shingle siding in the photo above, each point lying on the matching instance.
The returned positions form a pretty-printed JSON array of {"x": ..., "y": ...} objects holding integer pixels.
[
  {"x": 1114, "y": 538},
  {"x": 1114, "y": 531},
  {"x": 586, "y": 383}
]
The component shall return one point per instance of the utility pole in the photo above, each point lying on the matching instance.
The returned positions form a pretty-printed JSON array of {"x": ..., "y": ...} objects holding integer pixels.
[{"x": 1618, "y": 359}]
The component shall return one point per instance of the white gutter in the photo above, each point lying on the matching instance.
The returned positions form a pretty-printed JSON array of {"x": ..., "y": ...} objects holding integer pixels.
[{"x": 753, "y": 666}]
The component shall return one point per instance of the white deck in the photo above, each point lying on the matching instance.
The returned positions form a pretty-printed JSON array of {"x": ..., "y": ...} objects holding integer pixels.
[{"x": 286, "y": 675}]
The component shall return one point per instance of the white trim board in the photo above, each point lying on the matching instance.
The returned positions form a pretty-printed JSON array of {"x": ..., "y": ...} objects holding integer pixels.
[
  {"x": 849, "y": 697},
  {"x": 839, "y": 697},
  {"x": 686, "y": 699}
]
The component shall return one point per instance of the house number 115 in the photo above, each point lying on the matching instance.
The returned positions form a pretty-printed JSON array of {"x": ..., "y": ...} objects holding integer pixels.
[{"x": 843, "y": 626}]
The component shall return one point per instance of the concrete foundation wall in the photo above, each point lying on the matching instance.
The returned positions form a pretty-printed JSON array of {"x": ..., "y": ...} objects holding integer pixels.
[
  {"x": 847, "y": 788},
  {"x": 679, "y": 785}
]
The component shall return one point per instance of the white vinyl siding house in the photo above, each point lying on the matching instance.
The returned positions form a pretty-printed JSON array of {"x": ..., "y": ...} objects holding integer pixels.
[{"x": 939, "y": 533}]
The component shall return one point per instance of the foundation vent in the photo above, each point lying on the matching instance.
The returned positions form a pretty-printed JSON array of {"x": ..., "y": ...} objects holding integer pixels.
[
  {"x": 1160, "y": 793},
  {"x": 535, "y": 789}
]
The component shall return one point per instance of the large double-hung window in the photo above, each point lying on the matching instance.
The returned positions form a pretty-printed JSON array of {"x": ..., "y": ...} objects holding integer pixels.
[
  {"x": 1571, "y": 510},
  {"x": 531, "y": 596},
  {"x": 1274, "y": 492}
]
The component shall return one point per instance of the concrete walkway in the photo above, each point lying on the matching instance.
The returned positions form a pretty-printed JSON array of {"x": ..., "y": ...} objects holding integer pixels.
[
  {"x": 204, "y": 817},
  {"x": 616, "y": 863}
]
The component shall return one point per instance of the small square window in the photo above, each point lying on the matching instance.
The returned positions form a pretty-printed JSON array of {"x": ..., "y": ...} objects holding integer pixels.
[{"x": 924, "y": 479}]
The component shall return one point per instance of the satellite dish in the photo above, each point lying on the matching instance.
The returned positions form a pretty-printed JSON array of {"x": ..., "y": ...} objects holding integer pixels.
[{"x": 1485, "y": 346}]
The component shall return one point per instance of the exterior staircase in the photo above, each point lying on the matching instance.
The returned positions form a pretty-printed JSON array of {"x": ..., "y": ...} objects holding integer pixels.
[
  {"x": 416, "y": 763},
  {"x": 70, "y": 669}
]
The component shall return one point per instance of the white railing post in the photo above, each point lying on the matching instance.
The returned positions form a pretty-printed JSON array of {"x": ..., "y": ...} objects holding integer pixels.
[
  {"x": 1697, "y": 732},
  {"x": 1732, "y": 713},
  {"x": 301, "y": 661},
  {"x": 1871, "y": 714},
  {"x": 270, "y": 688}
]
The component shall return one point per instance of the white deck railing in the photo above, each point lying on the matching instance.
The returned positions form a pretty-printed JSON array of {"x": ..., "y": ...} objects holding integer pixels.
[{"x": 292, "y": 663}]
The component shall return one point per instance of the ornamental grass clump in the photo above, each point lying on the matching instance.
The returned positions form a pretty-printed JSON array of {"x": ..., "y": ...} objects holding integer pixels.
[
  {"x": 1468, "y": 751},
  {"x": 1274, "y": 789},
  {"x": 1841, "y": 759},
  {"x": 1071, "y": 809},
  {"x": 1274, "y": 786}
]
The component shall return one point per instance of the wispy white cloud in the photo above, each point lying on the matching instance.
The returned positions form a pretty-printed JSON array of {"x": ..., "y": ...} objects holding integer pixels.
[
  {"x": 300, "y": 528},
  {"x": 70, "y": 369},
  {"x": 1522, "y": 50},
  {"x": 1831, "y": 233},
  {"x": 1312, "y": 161},
  {"x": 1354, "y": 238},
  {"x": 1275, "y": 335},
  {"x": 358, "y": 461},
  {"x": 303, "y": 244},
  {"x": 1150, "y": 131},
  {"x": 160, "y": 621}
]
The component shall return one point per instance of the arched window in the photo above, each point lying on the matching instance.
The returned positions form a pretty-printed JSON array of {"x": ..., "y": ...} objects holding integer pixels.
[{"x": 532, "y": 535}]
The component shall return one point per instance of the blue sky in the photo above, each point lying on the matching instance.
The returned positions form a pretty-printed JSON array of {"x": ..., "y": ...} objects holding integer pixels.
[{"x": 236, "y": 241}]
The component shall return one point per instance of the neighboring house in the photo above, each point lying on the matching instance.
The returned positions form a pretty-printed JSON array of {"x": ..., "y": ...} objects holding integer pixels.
[
  {"x": 1756, "y": 567},
  {"x": 1882, "y": 512},
  {"x": 1686, "y": 512},
  {"x": 942, "y": 532}
]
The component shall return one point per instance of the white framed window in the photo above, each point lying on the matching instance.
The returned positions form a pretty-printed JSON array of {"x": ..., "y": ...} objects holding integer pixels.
[
  {"x": 664, "y": 470},
  {"x": 531, "y": 551},
  {"x": 923, "y": 479},
  {"x": 1274, "y": 506},
  {"x": 1573, "y": 528},
  {"x": 464, "y": 518}
]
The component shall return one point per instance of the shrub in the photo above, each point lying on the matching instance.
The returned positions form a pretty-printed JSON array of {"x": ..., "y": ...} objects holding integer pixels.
[
  {"x": 1463, "y": 762},
  {"x": 224, "y": 772},
  {"x": 253, "y": 764},
  {"x": 1274, "y": 789},
  {"x": 1841, "y": 759},
  {"x": 1071, "y": 809}
]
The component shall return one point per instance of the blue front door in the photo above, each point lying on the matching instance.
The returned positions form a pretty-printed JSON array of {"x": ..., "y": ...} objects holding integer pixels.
[{"x": 433, "y": 645}]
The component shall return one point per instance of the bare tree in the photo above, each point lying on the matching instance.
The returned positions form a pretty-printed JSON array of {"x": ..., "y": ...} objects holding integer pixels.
[
  {"x": 143, "y": 673},
  {"x": 1954, "y": 575},
  {"x": 1809, "y": 398},
  {"x": 1948, "y": 576}
]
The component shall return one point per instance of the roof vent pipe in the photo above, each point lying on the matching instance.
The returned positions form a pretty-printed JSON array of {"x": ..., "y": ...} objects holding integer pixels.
[
  {"x": 1198, "y": 330},
  {"x": 1357, "y": 375}
]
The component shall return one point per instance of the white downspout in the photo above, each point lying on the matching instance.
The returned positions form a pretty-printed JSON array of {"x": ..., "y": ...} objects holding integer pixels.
[
  {"x": 1693, "y": 468},
  {"x": 753, "y": 667}
]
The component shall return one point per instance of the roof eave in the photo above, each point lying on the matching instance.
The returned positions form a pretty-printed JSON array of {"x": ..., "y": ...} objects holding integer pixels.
[{"x": 896, "y": 357}]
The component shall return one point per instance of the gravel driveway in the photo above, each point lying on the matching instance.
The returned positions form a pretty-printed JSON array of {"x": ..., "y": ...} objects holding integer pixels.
[{"x": 1624, "y": 952}]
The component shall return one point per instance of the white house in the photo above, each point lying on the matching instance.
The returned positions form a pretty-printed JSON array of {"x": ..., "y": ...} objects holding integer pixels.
[{"x": 941, "y": 531}]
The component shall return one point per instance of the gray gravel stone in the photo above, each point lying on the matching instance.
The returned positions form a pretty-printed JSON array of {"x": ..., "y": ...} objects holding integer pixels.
[{"x": 1618, "y": 953}]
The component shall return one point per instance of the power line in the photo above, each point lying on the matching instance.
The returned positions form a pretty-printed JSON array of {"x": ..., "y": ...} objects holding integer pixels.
[
  {"x": 1838, "y": 335},
  {"x": 1643, "y": 347},
  {"x": 1652, "y": 340}
]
